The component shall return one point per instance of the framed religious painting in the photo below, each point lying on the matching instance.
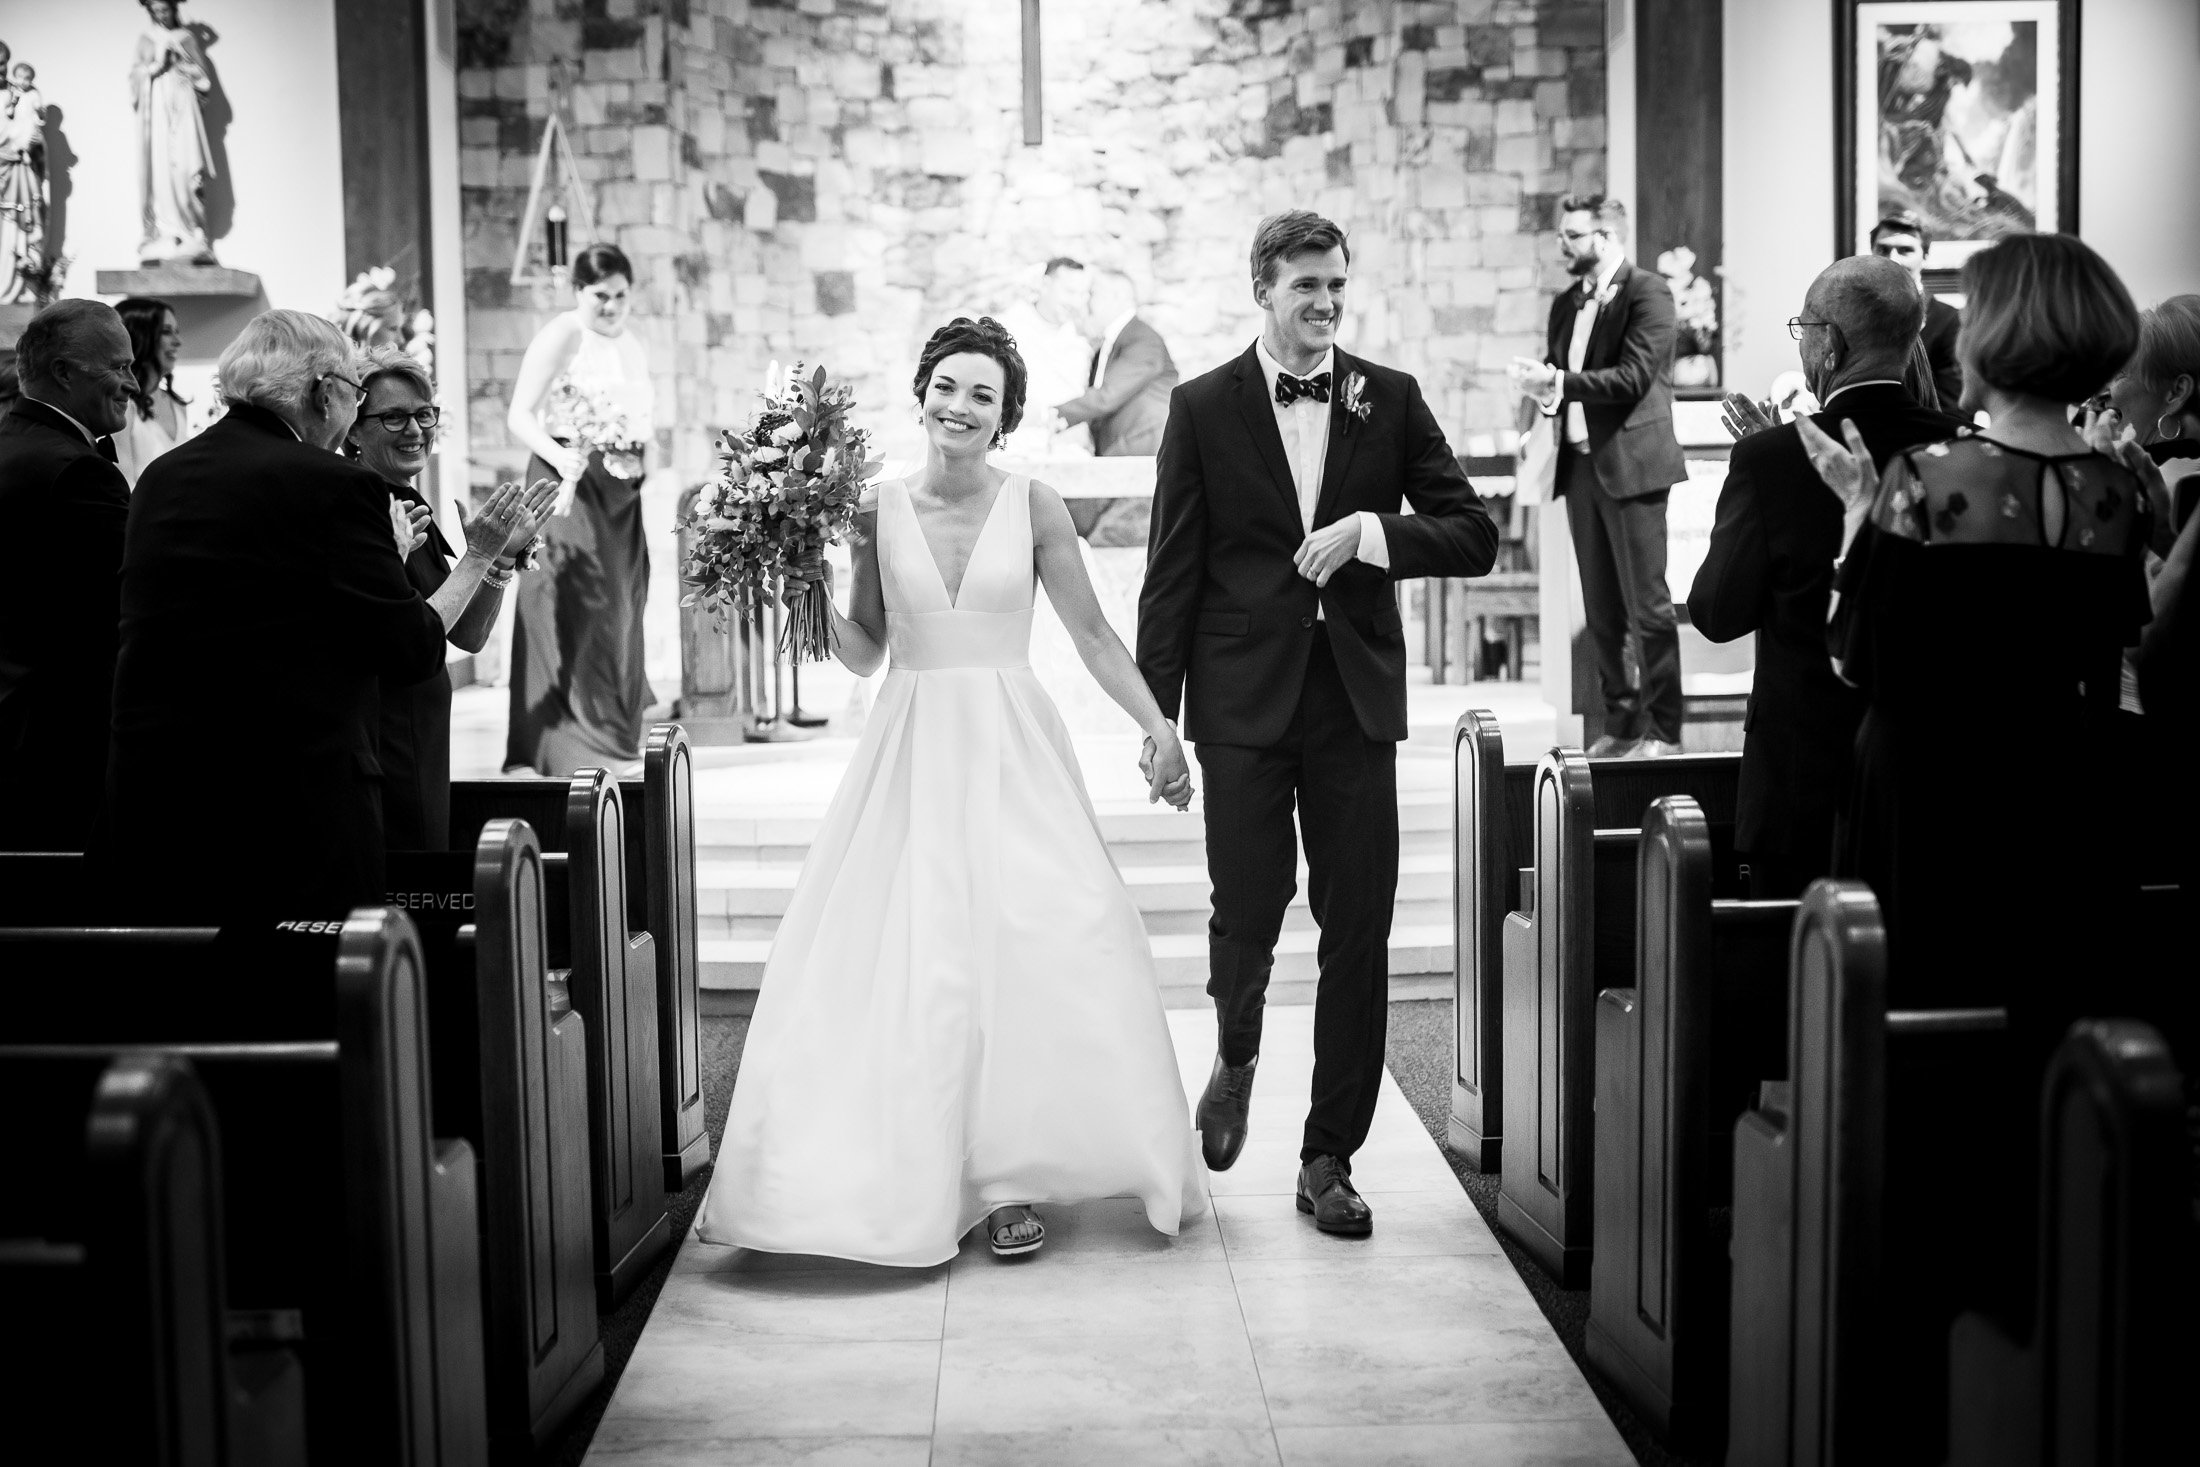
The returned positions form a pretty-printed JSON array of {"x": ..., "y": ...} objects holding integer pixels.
[{"x": 1964, "y": 112}]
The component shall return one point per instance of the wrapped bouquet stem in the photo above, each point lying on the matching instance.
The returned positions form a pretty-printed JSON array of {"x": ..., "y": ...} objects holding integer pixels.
[{"x": 788, "y": 485}]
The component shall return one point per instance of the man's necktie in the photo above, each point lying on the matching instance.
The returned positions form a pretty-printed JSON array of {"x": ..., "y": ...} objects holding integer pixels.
[{"x": 1290, "y": 389}]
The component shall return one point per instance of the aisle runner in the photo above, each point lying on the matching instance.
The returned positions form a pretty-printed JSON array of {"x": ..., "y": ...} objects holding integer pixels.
[{"x": 1251, "y": 1339}]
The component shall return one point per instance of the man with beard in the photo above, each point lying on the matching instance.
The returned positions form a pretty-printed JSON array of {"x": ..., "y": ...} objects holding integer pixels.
[{"x": 1608, "y": 377}]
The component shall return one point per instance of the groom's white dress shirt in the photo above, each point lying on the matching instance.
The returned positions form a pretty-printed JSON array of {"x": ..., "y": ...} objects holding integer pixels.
[{"x": 1304, "y": 426}]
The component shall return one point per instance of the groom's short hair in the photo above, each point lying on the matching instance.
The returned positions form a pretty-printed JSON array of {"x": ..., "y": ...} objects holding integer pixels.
[{"x": 1293, "y": 232}]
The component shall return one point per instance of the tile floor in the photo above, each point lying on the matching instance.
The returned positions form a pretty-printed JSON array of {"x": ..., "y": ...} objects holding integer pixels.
[{"x": 1252, "y": 1338}]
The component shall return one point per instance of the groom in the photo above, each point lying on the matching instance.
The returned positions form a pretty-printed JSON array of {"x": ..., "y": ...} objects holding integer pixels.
[{"x": 1268, "y": 613}]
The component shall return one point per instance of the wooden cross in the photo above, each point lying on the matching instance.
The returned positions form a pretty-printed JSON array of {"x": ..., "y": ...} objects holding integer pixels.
[{"x": 1034, "y": 116}]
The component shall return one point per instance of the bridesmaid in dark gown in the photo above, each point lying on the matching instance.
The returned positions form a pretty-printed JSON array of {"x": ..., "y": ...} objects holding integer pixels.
[
  {"x": 391, "y": 437},
  {"x": 579, "y": 689},
  {"x": 1983, "y": 604}
]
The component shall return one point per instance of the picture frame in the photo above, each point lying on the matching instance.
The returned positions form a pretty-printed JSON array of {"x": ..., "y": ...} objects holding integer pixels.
[{"x": 1964, "y": 111}]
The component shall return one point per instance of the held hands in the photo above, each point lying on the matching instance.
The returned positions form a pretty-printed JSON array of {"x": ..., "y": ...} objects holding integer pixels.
[
  {"x": 1168, "y": 776},
  {"x": 1328, "y": 550},
  {"x": 408, "y": 525},
  {"x": 1848, "y": 472}
]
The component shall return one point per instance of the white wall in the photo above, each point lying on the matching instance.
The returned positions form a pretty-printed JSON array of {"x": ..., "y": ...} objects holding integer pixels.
[
  {"x": 2138, "y": 154},
  {"x": 276, "y": 63}
]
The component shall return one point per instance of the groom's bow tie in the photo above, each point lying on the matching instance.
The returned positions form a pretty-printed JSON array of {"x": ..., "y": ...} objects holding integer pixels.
[{"x": 1290, "y": 389}]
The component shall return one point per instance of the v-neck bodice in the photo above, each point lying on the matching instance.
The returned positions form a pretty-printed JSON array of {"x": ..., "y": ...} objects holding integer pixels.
[{"x": 987, "y": 622}]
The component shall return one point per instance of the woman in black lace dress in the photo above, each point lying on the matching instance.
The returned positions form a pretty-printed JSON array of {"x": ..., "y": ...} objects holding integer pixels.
[{"x": 1985, "y": 598}]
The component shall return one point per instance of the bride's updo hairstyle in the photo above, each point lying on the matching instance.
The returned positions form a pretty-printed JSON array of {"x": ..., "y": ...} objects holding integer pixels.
[{"x": 983, "y": 337}]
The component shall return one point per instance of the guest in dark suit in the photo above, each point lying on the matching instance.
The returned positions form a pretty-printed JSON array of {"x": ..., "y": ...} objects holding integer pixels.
[
  {"x": 1607, "y": 375},
  {"x": 1902, "y": 238},
  {"x": 1132, "y": 376},
  {"x": 1770, "y": 566},
  {"x": 1268, "y": 616},
  {"x": 391, "y": 439},
  {"x": 63, "y": 502},
  {"x": 263, "y": 601}
]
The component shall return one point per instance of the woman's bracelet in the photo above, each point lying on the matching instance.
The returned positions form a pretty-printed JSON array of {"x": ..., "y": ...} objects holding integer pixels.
[{"x": 495, "y": 578}]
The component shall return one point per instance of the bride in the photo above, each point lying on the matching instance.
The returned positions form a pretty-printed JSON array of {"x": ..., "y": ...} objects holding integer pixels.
[{"x": 959, "y": 1017}]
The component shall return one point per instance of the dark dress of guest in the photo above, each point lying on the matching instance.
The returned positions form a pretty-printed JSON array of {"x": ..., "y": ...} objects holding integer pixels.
[
  {"x": 1983, "y": 608},
  {"x": 63, "y": 503},
  {"x": 262, "y": 605},
  {"x": 392, "y": 439},
  {"x": 579, "y": 689}
]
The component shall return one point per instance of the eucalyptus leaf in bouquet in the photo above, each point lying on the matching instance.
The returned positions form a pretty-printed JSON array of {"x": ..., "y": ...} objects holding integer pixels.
[{"x": 788, "y": 485}]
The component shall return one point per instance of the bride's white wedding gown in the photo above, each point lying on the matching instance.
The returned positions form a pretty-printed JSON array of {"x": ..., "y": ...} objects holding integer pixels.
[{"x": 959, "y": 1010}]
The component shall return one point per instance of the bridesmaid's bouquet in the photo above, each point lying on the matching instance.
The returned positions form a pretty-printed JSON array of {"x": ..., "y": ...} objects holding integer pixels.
[
  {"x": 599, "y": 424},
  {"x": 788, "y": 485}
]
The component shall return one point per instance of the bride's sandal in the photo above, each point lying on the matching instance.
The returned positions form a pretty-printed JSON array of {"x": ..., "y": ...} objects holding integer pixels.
[{"x": 1002, "y": 1228}]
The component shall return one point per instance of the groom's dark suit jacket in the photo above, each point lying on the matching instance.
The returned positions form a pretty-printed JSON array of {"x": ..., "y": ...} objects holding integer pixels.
[
  {"x": 1225, "y": 621},
  {"x": 1769, "y": 570},
  {"x": 263, "y": 603}
]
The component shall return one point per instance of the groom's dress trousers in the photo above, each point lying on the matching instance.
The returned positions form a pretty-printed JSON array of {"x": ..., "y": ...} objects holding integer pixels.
[
  {"x": 1294, "y": 697},
  {"x": 1612, "y": 339},
  {"x": 258, "y": 572},
  {"x": 63, "y": 502}
]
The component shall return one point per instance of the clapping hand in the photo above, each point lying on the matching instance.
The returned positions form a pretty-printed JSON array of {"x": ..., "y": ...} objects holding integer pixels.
[
  {"x": 1533, "y": 379},
  {"x": 1168, "y": 776},
  {"x": 1742, "y": 417},
  {"x": 408, "y": 525},
  {"x": 508, "y": 521},
  {"x": 1848, "y": 472}
]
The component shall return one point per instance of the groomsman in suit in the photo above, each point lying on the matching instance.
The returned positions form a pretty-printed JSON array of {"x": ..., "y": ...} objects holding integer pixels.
[
  {"x": 63, "y": 502},
  {"x": 1607, "y": 376},
  {"x": 1269, "y": 617},
  {"x": 1770, "y": 566},
  {"x": 1132, "y": 375},
  {"x": 1901, "y": 237}
]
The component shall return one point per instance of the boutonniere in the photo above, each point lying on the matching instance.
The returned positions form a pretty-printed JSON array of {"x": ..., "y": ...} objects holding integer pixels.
[
  {"x": 1353, "y": 397},
  {"x": 1605, "y": 296}
]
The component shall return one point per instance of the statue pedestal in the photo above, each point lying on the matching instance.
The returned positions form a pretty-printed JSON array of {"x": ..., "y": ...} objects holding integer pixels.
[{"x": 178, "y": 278}]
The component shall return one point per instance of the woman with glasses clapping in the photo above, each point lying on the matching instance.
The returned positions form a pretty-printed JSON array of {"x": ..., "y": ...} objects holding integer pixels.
[{"x": 392, "y": 436}]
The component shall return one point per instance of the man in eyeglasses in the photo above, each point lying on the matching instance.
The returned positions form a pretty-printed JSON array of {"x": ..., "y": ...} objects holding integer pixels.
[
  {"x": 1902, "y": 238},
  {"x": 1607, "y": 377},
  {"x": 1769, "y": 568},
  {"x": 63, "y": 503}
]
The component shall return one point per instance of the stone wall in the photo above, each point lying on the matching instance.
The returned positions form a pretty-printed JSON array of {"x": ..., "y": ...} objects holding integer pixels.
[{"x": 828, "y": 180}]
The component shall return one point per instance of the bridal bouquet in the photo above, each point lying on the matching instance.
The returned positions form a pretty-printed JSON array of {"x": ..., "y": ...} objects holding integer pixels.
[
  {"x": 600, "y": 425},
  {"x": 787, "y": 486}
]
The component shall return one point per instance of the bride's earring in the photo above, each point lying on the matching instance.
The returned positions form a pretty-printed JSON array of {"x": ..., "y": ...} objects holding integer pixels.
[{"x": 1000, "y": 439}]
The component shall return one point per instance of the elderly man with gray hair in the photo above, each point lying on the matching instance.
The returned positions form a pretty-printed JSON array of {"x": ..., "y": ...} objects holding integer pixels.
[
  {"x": 263, "y": 602},
  {"x": 1769, "y": 569},
  {"x": 63, "y": 502}
]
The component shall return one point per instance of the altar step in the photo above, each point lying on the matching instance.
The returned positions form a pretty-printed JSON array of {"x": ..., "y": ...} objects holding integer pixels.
[{"x": 748, "y": 865}]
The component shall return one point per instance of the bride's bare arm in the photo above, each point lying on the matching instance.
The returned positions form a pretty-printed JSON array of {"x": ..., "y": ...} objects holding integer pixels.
[
  {"x": 1062, "y": 571},
  {"x": 860, "y": 636}
]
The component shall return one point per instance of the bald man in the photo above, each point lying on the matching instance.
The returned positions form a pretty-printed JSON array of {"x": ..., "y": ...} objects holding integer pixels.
[
  {"x": 1770, "y": 566},
  {"x": 63, "y": 503}
]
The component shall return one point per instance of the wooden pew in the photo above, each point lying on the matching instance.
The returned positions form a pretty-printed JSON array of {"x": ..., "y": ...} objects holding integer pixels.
[
  {"x": 2105, "y": 1375},
  {"x": 1489, "y": 809},
  {"x": 1573, "y": 935},
  {"x": 1678, "y": 1057},
  {"x": 660, "y": 898},
  {"x": 1810, "y": 1159},
  {"x": 509, "y": 1059},
  {"x": 342, "y": 1214},
  {"x": 111, "y": 1252},
  {"x": 612, "y": 974}
]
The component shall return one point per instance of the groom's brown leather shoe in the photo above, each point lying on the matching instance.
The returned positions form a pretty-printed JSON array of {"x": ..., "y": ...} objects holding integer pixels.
[
  {"x": 1326, "y": 1192},
  {"x": 1222, "y": 1110}
]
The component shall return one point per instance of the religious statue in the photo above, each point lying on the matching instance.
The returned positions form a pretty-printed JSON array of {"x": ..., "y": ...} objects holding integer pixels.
[
  {"x": 25, "y": 272},
  {"x": 175, "y": 161}
]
